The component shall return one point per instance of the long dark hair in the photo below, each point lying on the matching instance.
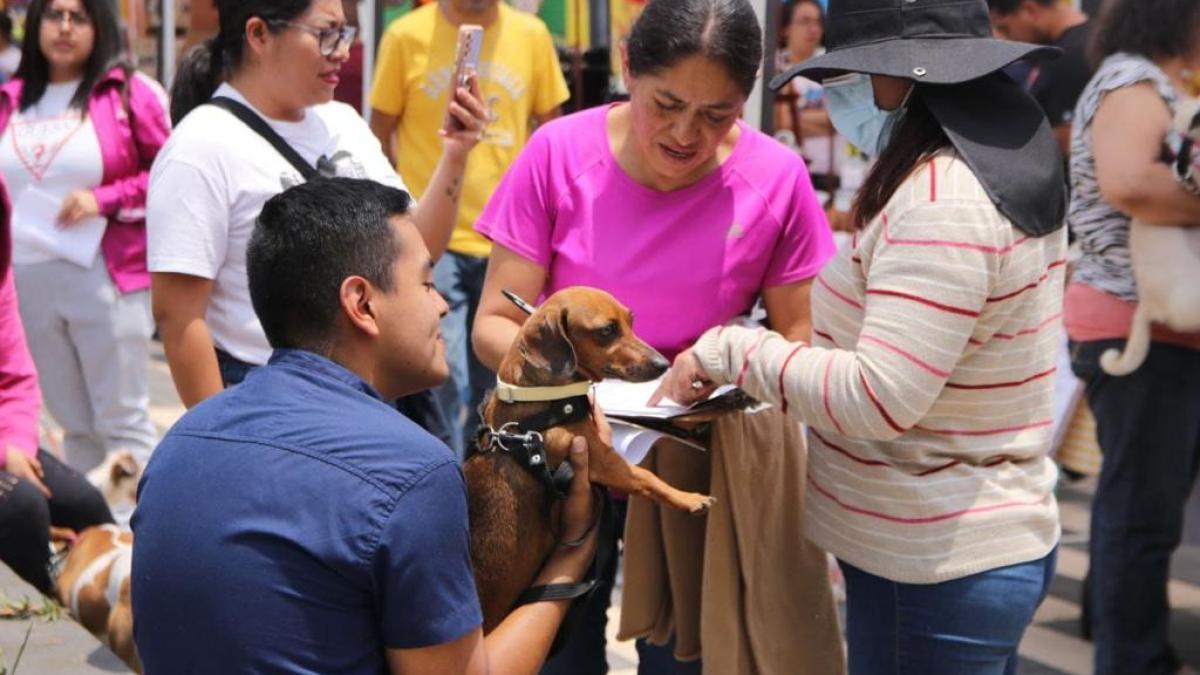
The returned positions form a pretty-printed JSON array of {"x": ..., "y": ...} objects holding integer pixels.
[
  {"x": 726, "y": 31},
  {"x": 916, "y": 137},
  {"x": 1155, "y": 29},
  {"x": 208, "y": 63},
  {"x": 34, "y": 71}
]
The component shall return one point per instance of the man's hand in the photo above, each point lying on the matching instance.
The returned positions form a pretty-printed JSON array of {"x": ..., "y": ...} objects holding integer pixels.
[
  {"x": 472, "y": 113},
  {"x": 25, "y": 467},
  {"x": 579, "y": 511},
  {"x": 680, "y": 382},
  {"x": 77, "y": 206}
]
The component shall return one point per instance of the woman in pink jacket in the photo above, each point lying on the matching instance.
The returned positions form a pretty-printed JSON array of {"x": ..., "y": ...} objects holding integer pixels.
[
  {"x": 78, "y": 134},
  {"x": 33, "y": 483}
]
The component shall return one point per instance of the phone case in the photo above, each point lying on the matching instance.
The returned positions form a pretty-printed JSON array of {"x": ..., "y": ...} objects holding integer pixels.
[{"x": 466, "y": 60}]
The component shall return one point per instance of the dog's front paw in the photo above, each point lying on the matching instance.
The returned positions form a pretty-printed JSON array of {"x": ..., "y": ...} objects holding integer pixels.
[{"x": 700, "y": 504}]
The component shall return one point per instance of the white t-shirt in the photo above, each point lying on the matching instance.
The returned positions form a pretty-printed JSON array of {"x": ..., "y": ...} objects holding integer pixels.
[
  {"x": 52, "y": 149},
  {"x": 209, "y": 184}
]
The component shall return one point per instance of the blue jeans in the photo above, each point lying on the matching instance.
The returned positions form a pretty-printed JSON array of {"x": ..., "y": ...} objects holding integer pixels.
[
  {"x": 969, "y": 625},
  {"x": 1149, "y": 432},
  {"x": 459, "y": 278}
]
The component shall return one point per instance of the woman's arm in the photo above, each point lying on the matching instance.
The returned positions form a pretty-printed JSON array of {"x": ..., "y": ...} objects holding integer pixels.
[
  {"x": 150, "y": 125},
  {"x": 437, "y": 209},
  {"x": 1127, "y": 137},
  {"x": 20, "y": 397},
  {"x": 180, "y": 302},
  {"x": 789, "y": 310},
  {"x": 498, "y": 321},
  {"x": 885, "y": 383}
]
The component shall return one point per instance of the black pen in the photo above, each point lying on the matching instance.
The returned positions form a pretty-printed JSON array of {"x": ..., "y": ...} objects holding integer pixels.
[{"x": 516, "y": 300}]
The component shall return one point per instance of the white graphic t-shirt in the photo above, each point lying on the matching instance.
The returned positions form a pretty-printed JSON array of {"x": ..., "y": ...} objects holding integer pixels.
[
  {"x": 51, "y": 149},
  {"x": 209, "y": 184}
]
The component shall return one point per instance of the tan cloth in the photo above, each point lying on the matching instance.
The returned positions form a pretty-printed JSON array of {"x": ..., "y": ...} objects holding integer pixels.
[{"x": 743, "y": 581}]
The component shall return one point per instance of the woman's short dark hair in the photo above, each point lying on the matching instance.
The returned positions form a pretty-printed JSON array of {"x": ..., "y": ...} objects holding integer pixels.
[
  {"x": 307, "y": 240},
  {"x": 1154, "y": 29},
  {"x": 207, "y": 64},
  {"x": 34, "y": 71},
  {"x": 725, "y": 31}
]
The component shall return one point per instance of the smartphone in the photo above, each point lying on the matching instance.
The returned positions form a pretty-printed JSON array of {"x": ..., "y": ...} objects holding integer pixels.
[{"x": 466, "y": 61}]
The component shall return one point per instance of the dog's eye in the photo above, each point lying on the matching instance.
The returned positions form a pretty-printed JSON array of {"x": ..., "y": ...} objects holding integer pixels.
[{"x": 608, "y": 331}]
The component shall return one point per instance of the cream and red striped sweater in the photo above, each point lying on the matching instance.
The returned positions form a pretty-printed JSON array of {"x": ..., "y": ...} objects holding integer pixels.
[{"x": 928, "y": 387}]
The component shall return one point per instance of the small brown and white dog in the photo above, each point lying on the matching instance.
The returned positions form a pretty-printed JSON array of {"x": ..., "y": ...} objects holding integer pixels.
[
  {"x": 93, "y": 580},
  {"x": 1166, "y": 266},
  {"x": 117, "y": 478},
  {"x": 94, "y": 585}
]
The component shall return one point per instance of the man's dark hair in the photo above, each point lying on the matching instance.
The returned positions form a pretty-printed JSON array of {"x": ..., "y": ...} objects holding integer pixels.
[
  {"x": 1155, "y": 29},
  {"x": 726, "y": 31},
  {"x": 1006, "y": 7},
  {"x": 307, "y": 240}
]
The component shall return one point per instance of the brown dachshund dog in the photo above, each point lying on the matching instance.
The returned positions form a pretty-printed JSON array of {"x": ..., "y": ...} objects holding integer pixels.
[{"x": 577, "y": 335}]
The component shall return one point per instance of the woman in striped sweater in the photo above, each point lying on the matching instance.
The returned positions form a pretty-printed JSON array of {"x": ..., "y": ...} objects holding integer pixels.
[{"x": 928, "y": 385}]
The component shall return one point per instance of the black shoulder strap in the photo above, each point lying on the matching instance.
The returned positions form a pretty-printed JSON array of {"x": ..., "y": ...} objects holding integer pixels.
[{"x": 260, "y": 126}]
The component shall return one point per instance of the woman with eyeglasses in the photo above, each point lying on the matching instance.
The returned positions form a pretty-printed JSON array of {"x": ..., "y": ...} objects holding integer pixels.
[
  {"x": 281, "y": 59},
  {"x": 78, "y": 133}
]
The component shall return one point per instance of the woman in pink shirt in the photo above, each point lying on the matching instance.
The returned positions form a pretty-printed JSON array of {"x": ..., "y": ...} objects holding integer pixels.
[
  {"x": 78, "y": 133},
  {"x": 33, "y": 483},
  {"x": 670, "y": 202}
]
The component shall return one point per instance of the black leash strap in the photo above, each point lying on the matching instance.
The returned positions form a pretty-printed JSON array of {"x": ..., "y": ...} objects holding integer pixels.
[
  {"x": 522, "y": 440},
  {"x": 260, "y": 126}
]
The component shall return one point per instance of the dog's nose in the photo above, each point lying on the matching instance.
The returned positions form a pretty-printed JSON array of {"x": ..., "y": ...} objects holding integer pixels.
[{"x": 660, "y": 364}]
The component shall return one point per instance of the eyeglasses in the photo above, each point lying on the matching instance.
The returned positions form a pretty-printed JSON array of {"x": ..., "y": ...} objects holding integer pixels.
[
  {"x": 58, "y": 16},
  {"x": 329, "y": 39}
]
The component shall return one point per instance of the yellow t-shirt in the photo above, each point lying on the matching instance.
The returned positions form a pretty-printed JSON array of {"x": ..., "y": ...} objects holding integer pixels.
[{"x": 519, "y": 76}]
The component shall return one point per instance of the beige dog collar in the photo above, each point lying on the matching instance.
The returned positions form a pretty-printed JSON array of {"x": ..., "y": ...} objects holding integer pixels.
[{"x": 511, "y": 393}]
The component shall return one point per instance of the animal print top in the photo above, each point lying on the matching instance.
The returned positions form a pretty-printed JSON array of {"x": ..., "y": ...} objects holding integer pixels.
[{"x": 1101, "y": 230}]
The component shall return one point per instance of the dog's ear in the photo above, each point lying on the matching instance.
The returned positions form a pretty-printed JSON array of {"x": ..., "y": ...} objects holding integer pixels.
[
  {"x": 547, "y": 348},
  {"x": 125, "y": 466}
]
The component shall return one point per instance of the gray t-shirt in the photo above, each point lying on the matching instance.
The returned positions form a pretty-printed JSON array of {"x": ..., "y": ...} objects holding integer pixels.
[{"x": 1100, "y": 229}]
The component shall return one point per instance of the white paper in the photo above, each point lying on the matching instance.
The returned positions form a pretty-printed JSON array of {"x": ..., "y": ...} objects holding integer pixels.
[
  {"x": 629, "y": 399},
  {"x": 36, "y": 212},
  {"x": 633, "y": 442}
]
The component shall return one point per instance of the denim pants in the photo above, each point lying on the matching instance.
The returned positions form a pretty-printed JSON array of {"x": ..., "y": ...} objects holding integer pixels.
[
  {"x": 1148, "y": 427},
  {"x": 459, "y": 278},
  {"x": 91, "y": 344},
  {"x": 969, "y": 625}
]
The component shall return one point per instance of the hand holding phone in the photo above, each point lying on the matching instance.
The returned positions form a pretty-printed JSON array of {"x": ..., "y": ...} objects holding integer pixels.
[{"x": 466, "y": 64}]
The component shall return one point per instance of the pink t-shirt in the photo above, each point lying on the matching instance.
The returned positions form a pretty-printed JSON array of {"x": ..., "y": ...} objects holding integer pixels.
[{"x": 683, "y": 261}]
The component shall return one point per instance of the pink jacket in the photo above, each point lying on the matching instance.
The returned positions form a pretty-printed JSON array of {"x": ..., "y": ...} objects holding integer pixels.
[
  {"x": 20, "y": 398},
  {"x": 128, "y": 150}
]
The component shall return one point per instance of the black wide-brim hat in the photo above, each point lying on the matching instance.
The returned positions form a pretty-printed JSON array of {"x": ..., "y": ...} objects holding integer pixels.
[
  {"x": 930, "y": 41},
  {"x": 947, "y": 48}
]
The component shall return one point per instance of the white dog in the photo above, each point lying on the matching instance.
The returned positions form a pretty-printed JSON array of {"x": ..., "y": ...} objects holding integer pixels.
[{"x": 1166, "y": 265}]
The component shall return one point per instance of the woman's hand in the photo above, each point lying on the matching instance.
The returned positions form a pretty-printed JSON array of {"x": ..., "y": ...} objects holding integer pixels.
[
  {"x": 77, "y": 206},
  {"x": 472, "y": 115},
  {"x": 25, "y": 467},
  {"x": 685, "y": 383}
]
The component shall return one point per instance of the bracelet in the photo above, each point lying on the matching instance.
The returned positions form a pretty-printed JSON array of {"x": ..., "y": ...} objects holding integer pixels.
[{"x": 597, "y": 511}]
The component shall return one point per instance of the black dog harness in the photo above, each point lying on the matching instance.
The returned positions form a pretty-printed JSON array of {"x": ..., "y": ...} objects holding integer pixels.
[{"x": 523, "y": 441}]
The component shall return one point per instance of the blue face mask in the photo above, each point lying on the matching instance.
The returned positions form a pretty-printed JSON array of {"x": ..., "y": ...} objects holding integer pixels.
[{"x": 852, "y": 109}]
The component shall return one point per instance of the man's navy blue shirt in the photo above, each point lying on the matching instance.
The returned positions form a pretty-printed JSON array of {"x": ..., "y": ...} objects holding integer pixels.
[{"x": 297, "y": 523}]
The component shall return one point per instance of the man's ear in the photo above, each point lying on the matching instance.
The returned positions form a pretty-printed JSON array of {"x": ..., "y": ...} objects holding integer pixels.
[
  {"x": 547, "y": 349},
  {"x": 357, "y": 302}
]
